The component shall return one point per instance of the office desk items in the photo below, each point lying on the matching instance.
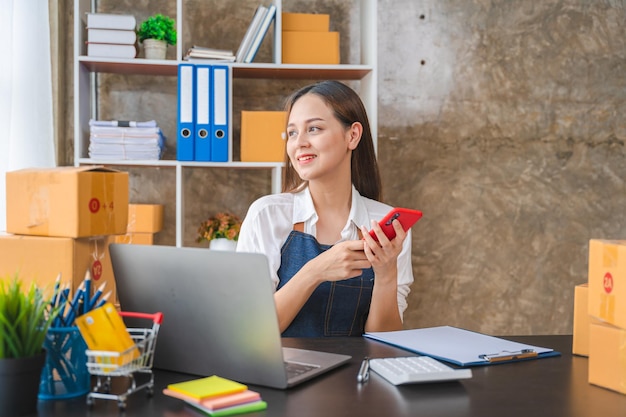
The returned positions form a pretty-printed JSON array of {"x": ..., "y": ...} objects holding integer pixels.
[
  {"x": 461, "y": 347},
  {"x": 104, "y": 330},
  {"x": 221, "y": 401},
  {"x": 137, "y": 359},
  {"x": 259, "y": 405},
  {"x": 211, "y": 386},
  {"x": 220, "y": 312},
  {"x": 416, "y": 370},
  {"x": 364, "y": 370}
]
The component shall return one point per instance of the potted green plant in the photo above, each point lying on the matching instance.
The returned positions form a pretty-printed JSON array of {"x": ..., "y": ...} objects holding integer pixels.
[
  {"x": 25, "y": 316},
  {"x": 221, "y": 231},
  {"x": 156, "y": 32}
]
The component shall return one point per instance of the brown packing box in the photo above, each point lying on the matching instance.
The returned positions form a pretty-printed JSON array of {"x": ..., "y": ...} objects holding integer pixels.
[
  {"x": 607, "y": 281},
  {"x": 582, "y": 321},
  {"x": 40, "y": 259},
  {"x": 135, "y": 238},
  {"x": 145, "y": 218},
  {"x": 305, "y": 22},
  {"x": 67, "y": 201},
  {"x": 262, "y": 136},
  {"x": 607, "y": 357},
  {"x": 310, "y": 48}
]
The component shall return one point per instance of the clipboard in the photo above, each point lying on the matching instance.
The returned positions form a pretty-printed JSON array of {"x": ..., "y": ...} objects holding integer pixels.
[{"x": 461, "y": 347}]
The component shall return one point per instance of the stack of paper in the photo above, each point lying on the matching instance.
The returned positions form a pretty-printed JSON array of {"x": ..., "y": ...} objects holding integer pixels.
[
  {"x": 200, "y": 54},
  {"x": 216, "y": 396},
  {"x": 111, "y": 35},
  {"x": 125, "y": 140}
]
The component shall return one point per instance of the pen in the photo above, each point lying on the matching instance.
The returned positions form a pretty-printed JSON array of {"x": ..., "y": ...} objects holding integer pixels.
[{"x": 364, "y": 371}]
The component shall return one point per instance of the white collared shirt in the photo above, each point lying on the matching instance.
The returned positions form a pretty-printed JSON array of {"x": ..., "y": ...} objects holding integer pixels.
[{"x": 271, "y": 218}]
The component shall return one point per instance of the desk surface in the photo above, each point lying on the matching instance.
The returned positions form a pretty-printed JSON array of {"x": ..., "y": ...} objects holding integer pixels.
[{"x": 551, "y": 387}]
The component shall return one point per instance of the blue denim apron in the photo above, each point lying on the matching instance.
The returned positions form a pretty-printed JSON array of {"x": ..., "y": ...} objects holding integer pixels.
[{"x": 335, "y": 308}]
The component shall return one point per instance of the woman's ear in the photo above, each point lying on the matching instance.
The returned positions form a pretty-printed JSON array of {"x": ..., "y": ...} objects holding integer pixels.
[{"x": 355, "y": 131}]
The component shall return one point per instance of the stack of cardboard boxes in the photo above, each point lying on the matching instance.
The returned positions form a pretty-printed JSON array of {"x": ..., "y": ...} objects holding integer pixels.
[
  {"x": 307, "y": 39},
  {"x": 60, "y": 221},
  {"x": 600, "y": 315}
]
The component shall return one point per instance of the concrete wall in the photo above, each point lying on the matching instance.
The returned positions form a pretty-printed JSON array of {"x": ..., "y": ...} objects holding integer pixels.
[{"x": 500, "y": 120}]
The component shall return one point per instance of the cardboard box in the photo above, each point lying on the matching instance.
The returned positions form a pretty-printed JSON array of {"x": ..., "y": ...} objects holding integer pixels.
[
  {"x": 263, "y": 136},
  {"x": 145, "y": 218},
  {"x": 135, "y": 238},
  {"x": 67, "y": 201},
  {"x": 580, "y": 344},
  {"x": 607, "y": 357},
  {"x": 310, "y": 48},
  {"x": 305, "y": 22},
  {"x": 40, "y": 259},
  {"x": 607, "y": 281}
]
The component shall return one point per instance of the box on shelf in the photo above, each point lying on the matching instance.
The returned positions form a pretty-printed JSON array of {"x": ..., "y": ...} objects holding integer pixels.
[
  {"x": 607, "y": 281},
  {"x": 67, "y": 201},
  {"x": 607, "y": 357},
  {"x": 40, "y": 259},
  {"x": 305, "y": 22},
  {"x": 145, "y": 218},
  {"x": 263, "y": 136},
  {"x": 135, "y": 238},
  {"x": 310, "y": 48}
]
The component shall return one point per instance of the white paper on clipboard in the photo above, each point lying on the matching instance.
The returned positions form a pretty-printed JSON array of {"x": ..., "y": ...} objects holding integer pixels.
[{"x": 459, "y": 346}]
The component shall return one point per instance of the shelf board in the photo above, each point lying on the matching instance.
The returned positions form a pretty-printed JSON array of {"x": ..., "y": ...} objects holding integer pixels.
[
  {"x": 142, "y": 66},
  {"x": 188, "y": 164}
]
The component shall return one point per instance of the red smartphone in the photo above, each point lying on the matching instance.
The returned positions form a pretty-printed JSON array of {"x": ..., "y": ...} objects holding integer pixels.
[{"x": 406, "y": 217}]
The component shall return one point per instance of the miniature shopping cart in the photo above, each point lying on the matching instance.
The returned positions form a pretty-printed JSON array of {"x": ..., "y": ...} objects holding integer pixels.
[{"x": 137, "y": 359}]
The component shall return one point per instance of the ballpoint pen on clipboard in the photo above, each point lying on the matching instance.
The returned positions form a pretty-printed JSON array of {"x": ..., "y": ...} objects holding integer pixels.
[{"x": 509, "y": 356}]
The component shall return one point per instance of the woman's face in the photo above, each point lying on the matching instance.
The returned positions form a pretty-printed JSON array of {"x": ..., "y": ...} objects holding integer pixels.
[{"x": 318, "y": 145}]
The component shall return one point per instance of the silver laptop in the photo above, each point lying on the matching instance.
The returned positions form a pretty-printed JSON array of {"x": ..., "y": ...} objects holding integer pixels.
[{"x": 219, "y": 316}]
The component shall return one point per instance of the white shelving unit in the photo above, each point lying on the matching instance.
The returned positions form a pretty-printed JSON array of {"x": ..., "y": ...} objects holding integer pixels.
[{"x": 85, "y": 104}]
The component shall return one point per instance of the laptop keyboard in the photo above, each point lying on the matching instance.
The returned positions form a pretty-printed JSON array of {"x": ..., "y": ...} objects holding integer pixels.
[{"x": 294, "y": 369}]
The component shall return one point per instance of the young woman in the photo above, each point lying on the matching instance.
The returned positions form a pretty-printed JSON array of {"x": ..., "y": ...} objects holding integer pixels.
[{"x": 331, "y": 277}]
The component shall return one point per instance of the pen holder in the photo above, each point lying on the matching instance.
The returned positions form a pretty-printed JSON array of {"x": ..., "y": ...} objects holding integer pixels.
[{"x": 65, "y": 373}]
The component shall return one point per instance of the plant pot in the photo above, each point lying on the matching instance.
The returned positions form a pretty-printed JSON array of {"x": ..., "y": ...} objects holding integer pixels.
[
  {"x": 154, "y": 49},
  {"x": 223, "y": 244},
  {"x": 19, "y": 384}
]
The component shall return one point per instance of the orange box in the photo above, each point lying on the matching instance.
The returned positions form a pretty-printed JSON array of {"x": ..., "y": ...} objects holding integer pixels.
[
  {"x": 607, "y": 281},
  {"x": 40, "y": 259},
  {"x": 263, "y": 136},
  {"x": 607, "y": 357},
  {"x": 135, "y": 238},
  {"x": 145, "y": 218},
  {"x": 582, "y": 321},
  {"x": 310, "y": 48},
  {"x": 67, "y": 201},
  {"x": 305, "y": 22}
]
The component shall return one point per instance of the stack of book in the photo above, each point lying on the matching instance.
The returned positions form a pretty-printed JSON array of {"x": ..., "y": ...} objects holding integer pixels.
[
  {"x": 113, "y": 139},
  {"x": 111, "y": 35},
  {"x": 201, "y": 54},
  {"x": 216, "y": 396},
  {"x": 255, "y": 34}
]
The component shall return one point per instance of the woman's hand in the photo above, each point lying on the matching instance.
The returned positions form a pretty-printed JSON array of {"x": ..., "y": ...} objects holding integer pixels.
[
  {"x": 383, "y": 255},
  {"x": 344, "y": 260}
]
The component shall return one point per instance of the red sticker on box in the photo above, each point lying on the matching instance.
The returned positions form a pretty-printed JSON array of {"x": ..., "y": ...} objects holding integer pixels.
[
  {"x": 96, "y": 270},
  {"x": 608, "y": 282},
  {"x": 94, "y": 205}
]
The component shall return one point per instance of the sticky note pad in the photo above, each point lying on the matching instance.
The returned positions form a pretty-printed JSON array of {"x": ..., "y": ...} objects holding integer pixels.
[{"x": 210, "y": 386}]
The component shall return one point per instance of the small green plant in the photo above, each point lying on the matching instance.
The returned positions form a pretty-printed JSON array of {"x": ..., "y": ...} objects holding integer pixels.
[
  {"x": 158, "y": 27},
  {"x": 25, "y": 317}
]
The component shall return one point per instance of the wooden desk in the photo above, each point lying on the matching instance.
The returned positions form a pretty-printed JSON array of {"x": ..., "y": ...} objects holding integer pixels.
[{"x": 551, "y": 387}]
